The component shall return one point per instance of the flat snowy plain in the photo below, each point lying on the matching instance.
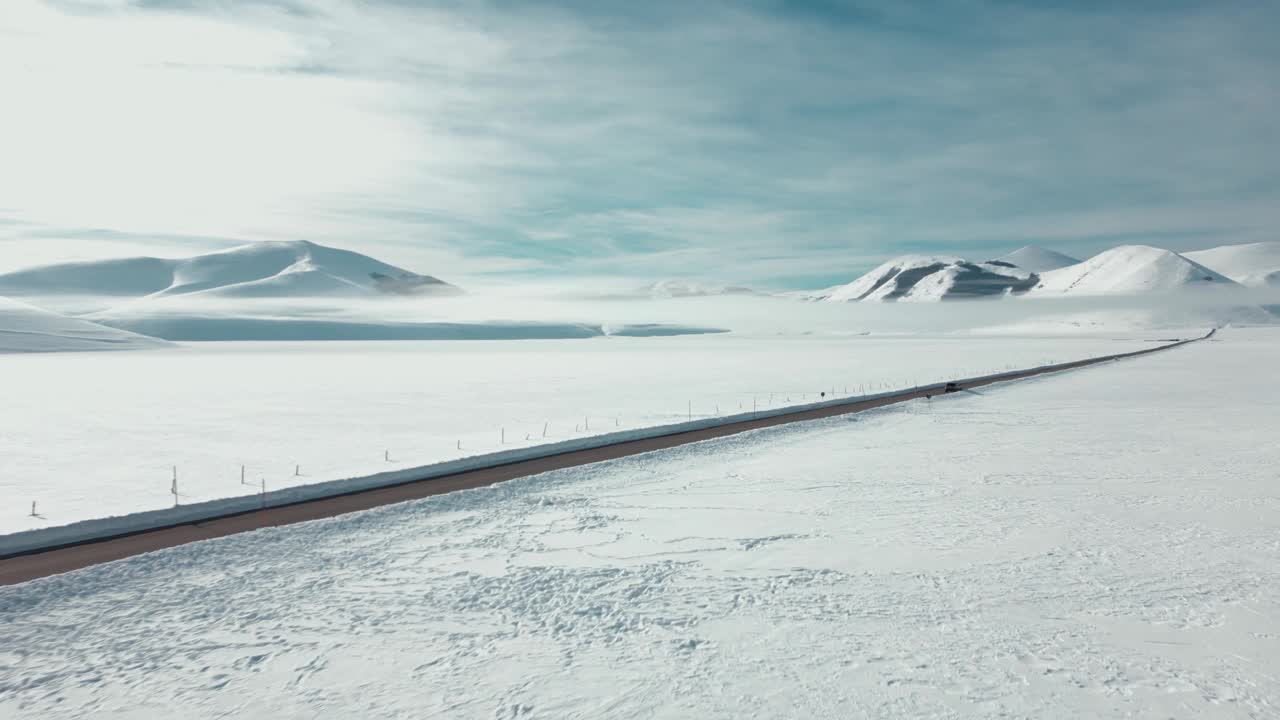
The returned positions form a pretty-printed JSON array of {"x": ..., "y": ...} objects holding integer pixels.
[
  {"x": 98, "y": 435},
  {"x": 1102, "y": 543}
]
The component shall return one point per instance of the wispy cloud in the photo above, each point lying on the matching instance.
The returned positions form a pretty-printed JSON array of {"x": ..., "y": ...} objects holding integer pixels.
[{"x": 759, "y": 142}]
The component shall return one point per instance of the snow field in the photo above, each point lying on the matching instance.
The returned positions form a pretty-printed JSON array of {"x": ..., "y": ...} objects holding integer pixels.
[
  {"x": 101, "y": 438},
  {"x": 1100, "y": 543}
]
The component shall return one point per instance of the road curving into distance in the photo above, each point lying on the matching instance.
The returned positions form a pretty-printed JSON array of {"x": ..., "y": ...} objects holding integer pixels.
[{"x": 42, "y": 563}]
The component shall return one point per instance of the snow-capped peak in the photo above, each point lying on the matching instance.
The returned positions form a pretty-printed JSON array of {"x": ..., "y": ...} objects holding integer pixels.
[{"x": 1037, "y": 259}]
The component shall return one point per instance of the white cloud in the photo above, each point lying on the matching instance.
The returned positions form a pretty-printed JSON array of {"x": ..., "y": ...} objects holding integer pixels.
[{"x": 713, "y": 140}]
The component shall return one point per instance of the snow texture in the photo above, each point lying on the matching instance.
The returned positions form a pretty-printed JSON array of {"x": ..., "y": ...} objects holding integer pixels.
[
  {"x": 1128, "y": 270},
  {"x": 1095, "y": 544},
  {"x": 1256, "y": 264}
]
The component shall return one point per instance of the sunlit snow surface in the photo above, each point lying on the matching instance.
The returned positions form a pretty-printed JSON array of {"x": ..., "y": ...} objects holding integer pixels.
[
  {"x": 97, "y": 436},
  {"x": 1096, "y": 544}
]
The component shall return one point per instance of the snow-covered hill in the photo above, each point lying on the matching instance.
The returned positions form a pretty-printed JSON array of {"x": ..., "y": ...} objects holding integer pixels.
[
  {"x": 1130, "y": 270},
  {"x": 265, "y": 269},
  {"x": 1255, "y": 264},
  {"x": 809, "y": 295},
  {"x": 686, "y": 288},
  {"x": 1036, "y": 259},
  {"x": 922, "y": 278},
  {"x": 24, "y": 328}
]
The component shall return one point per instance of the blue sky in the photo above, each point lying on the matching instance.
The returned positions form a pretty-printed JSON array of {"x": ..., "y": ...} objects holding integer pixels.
[{"x": 781, "y": 144}]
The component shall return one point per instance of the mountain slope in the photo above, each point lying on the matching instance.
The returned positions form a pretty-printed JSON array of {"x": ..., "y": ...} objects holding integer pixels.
[
  {"x": 1127, "y": 270},
  {"x": 922, "y": 278},
  {"x": 685, "y": 288},
  {"x": 1037, "y": 259},
  {"x": 1256, "y": 264},
  {"x": 24, "y": 328},
  {"x": 266, "y": 269}
]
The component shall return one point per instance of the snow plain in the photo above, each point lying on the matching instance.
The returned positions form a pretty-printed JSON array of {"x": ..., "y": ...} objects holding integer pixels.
[
  {"x": 1101, "y": 543},
  {"x": 99, "y": 436}
]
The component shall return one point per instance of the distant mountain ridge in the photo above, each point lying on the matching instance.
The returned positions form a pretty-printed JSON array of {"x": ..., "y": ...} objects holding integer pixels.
[
  {"x": 1037, "y": 272},
  {"x": 687, "y": 288},
  {"x": 265, "y": 269}
]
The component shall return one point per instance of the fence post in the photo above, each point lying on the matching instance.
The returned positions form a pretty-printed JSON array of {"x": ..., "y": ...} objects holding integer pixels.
[
  {"x": 544, "y": 428},
  {"x": 33, "y": 509},
  {"x": 174, "y": 488}
]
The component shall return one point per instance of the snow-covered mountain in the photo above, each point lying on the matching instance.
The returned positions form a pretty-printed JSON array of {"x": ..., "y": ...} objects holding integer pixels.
[
  {"x": 686, "y": 288},
  {"x": 24, "y": 328},
  {"x": 1037, "y": 259},
  {"x": 809, "y": 295},
  {"x": 1130, "y": 270},
  {"x": 1255, "y": 264},
  {"x": 265, "y": 269},
  {"x": 923, "y": 278}
]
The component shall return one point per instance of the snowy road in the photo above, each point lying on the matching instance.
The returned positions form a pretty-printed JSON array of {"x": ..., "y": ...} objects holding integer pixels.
[
  {"x": 100, "y": 435},
  {"x": 1098, "y": 544},
  {"x": 57, "y": 554}
]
